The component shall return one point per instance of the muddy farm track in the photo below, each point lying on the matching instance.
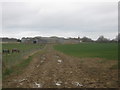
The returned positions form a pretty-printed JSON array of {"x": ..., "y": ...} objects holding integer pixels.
[{"x": 52, "y": 69}]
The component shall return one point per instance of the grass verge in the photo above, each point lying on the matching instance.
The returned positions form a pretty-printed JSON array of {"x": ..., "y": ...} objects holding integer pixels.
[{"x": 17, "y": 69}]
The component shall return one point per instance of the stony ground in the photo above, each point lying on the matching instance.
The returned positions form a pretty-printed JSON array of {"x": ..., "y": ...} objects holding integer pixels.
[{"x": 52, "y": 69}]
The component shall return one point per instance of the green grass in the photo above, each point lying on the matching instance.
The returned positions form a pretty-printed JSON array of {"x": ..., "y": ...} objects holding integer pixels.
[
  {"x": 92, "y": 50},
  {"x": 21, "y": 46},
  {"x": 17, "y": 68},
  {"x": 8, "y": 71},
  {"x": 17, "y": 59}
]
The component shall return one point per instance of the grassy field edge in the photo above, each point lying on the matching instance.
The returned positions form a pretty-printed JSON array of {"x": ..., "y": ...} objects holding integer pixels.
[
  {"x": 104, "y": 51},
  {"x": 17, "y": 69}
]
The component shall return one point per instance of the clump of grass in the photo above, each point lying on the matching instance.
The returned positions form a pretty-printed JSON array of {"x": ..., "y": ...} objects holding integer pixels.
[
  {"x": 25, "y": 62},
  {"x": 15, "y": 61},
  {"x": 17, "y": 68},
  {"x": 8, "y": 71}
]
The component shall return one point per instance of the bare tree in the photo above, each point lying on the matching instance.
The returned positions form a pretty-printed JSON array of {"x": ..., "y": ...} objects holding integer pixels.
[{"x": 102, "y": 39}]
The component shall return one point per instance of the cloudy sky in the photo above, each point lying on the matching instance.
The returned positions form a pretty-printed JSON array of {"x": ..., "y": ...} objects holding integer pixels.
[{"x": 63, "y": 19}]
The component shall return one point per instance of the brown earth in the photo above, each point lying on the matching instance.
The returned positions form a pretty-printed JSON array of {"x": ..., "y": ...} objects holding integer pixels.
[{"x": 52, "y": 69}]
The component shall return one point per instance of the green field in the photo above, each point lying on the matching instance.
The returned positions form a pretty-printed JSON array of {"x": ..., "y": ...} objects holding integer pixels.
[
  {"x": 92, "y": 50},
  {"x": 13, "y": 59}
]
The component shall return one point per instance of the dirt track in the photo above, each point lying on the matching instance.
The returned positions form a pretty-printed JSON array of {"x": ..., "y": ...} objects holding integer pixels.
[{"x": 52, "y": 69}]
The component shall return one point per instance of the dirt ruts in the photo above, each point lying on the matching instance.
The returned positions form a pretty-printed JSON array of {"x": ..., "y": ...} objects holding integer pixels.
[{"x": 52, "y": 69}]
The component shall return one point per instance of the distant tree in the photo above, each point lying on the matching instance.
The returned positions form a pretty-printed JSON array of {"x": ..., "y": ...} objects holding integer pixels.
[
  {"x": 86, "y": 39},
  {"x": 78, "y": 38},
  {"x": 102, "y": 39}
]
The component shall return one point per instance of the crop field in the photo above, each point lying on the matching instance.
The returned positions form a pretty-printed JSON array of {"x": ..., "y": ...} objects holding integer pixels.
[
  {"x": 49, "y": 68},
  {"x": 108, "y": 51},
  {"x": 12, "y": 59}
]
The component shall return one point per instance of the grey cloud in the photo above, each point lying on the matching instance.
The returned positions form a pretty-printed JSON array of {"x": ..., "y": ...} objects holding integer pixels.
[{"x": 64, "y": 19}]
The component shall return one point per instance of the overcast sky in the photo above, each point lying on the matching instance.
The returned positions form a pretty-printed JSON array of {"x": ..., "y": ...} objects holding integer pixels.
[{"x": 63, "y": 19}]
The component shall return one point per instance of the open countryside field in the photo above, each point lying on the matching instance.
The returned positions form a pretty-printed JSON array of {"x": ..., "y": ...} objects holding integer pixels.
[
  {"x": 12, "y": 59},
  {"x": 90, "y": 50},
  {"x": 84, "y": 65},
  {"x": 105, "y": 51}
]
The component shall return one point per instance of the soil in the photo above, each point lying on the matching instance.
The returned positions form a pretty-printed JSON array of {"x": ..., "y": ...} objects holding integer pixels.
[{"x": 53, "y": 69}]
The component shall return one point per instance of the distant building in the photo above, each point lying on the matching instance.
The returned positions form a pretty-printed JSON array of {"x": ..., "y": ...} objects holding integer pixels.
[
  {"x": 27, "y": 40},
  {"x": 50, "y": 40}
]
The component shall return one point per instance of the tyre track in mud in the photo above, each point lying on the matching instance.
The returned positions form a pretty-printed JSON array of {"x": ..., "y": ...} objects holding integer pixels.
[{"x": 52, "y": 69}]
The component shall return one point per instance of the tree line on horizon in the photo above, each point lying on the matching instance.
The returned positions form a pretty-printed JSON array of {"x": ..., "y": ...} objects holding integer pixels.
[
  {"x": 86, "y": 39},
  {"x": 101, "y": 39}
]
